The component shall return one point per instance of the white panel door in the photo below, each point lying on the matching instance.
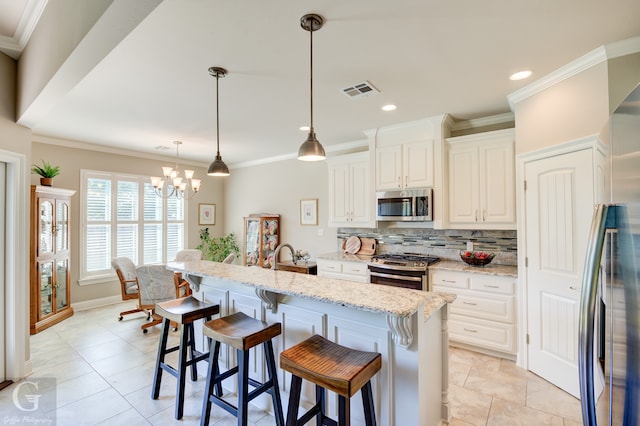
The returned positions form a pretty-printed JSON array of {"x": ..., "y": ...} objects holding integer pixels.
[
  {"x": 497, "y": 183},
  {"x": 252, "y": 307},
  {"x": 559, "y": 204},
  {"x": 417, "y": 160},
  {"x": 463, "y": 185},
  {"x": 339, "y": 189},
  {"x": 363, "y": 337},
  {"x": 298, "y": 324},
  {"x": 388, "y": 167},
  {"x": 360, "y": 193}
]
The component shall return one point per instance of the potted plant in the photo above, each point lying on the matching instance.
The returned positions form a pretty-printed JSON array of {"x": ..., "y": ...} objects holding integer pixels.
[
  {"x": 217, "y": 248},
  {"x": 47, "y": 172}
]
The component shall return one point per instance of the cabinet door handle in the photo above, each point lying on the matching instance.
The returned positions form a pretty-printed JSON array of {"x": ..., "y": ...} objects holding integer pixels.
[
  {"x": 399, "y": 182},
  {"x": 476, "y": 215},
  {"x": 449, "y": 281},
  {"x": 470, "y": 330},
  {"x": 470, "y": 303},
  {"x": 483, "y": 214},
  {"x": 406, "y": 180},
  {"x": 573, "y": 288},
  {"x": 491, "y": 286}
]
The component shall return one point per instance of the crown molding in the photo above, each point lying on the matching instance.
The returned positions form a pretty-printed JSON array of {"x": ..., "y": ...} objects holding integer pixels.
[
  {"x": 364, "y": 143},
  {"x": 48, "y": 140},
  {"x": 595, "y": 57},
  {"x": 474, "y": 123},
  {"x": 13, "y": 46}
]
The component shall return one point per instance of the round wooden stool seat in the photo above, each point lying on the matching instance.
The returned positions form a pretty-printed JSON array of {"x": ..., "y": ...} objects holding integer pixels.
[
  {"x": 186, "y": 310},
  {"x": 330, "y": 366},
  {"x": 241, "y": 331}
]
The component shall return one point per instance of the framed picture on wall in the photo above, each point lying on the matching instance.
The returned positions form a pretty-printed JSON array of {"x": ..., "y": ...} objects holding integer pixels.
[
  {"x": 309, "y": 211},
  {"x": 206, "y": 214}
]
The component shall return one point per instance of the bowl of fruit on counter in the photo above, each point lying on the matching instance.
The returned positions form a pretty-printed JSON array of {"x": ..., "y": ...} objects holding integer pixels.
[{"x": 476, "y": 258}]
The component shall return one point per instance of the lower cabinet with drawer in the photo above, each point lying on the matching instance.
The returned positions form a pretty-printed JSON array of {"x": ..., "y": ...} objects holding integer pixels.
[
  {"x": 484, "y": 313},
  {"x": 343, "y": 270}
]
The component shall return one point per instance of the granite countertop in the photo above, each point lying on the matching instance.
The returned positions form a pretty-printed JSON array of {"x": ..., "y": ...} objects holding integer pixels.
[
  {"x": 490, "y": 269},
  {"x": 338, "y": 255},
  {"x": 363, "y": 296}
]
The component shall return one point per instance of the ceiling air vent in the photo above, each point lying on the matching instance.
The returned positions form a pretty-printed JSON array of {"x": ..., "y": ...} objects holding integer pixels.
[{"x": 360, "y": 90}]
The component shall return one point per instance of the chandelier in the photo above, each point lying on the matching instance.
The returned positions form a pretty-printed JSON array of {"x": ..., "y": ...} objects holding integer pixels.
[{"x": 176, "y": 186}]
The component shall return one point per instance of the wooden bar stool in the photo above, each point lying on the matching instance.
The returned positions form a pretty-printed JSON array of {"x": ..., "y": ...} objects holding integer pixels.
[
  {"x": 182, "y": 312},
  {"x": 242, "y": 333},
  {"x": 333, "y": 367}
]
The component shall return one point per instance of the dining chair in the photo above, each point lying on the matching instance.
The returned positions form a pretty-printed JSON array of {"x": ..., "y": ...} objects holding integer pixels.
[
  {"x": 156, "y": 284},
  {"x": 126, "y": 271}
]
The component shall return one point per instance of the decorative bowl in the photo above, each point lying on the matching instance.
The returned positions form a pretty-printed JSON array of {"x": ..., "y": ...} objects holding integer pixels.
[{"x": 476, "y": 258}]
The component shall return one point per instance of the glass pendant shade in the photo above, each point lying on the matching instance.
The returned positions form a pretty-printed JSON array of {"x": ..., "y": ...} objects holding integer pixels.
[{"x": 311, "y": 149}]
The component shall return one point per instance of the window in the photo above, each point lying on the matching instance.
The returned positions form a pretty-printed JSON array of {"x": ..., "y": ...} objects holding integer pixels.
[{"x": 122, "y": 216}]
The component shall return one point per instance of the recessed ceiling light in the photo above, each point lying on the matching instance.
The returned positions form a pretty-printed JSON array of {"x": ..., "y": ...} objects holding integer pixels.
[
  {"x": 304, "y": 128},
  {"x": 389, "y": 107},
  {"x": 520, "y": 75}
]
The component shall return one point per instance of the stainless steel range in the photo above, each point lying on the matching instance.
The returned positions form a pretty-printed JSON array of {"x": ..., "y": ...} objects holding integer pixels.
[{"x": 407, "y": 270}]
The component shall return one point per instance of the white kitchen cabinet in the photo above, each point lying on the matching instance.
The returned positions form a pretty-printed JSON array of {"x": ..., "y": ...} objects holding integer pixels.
[
  {"x": 343, "y": 270},
  {"x": 408, "y": 165},
  {"x": 350, "y": 195},
  {"x": 484, "y": 313},
  {"x": 482, "y": 181}
]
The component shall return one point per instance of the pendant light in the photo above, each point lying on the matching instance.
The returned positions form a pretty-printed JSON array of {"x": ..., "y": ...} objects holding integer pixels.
[
  {"x": 311, "y": 149},
  {"x": 217, "y": 167}
]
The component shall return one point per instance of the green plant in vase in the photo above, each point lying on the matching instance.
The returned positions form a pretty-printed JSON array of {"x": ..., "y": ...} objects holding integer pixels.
[
  {"x": 47, "y": 172},
  {"x": 217, "y": 248}
]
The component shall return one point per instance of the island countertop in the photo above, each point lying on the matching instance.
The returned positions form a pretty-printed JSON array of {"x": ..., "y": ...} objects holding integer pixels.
[{"x": 374, "y": 298}]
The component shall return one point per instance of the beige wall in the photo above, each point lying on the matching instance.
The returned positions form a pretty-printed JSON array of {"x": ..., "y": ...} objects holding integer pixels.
[
  {"x": 72, "y": 159},
  {"x": 572, "y": 109},
  {"x": 278, "y": 188},
  {"x": 15, "y": 142},
  {"x": 624, "y": 76}
]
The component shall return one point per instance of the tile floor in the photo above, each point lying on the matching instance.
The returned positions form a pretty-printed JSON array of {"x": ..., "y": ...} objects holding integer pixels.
[{"x": 104, "y": 368}]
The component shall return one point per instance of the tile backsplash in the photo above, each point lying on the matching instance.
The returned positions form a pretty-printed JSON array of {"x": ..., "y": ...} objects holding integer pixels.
[{"x": 444, "y": 243}]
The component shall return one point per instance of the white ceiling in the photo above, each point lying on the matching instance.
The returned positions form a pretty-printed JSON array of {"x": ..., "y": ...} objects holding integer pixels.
[{"x": 427, "y": 56}]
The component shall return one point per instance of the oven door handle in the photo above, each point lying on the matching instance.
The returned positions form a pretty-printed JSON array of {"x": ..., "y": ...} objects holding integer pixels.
[{"x": 396, "y": 277}]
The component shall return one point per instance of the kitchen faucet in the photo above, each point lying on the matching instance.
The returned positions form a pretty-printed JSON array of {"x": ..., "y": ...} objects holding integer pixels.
[{"x": 275, "y": 255}]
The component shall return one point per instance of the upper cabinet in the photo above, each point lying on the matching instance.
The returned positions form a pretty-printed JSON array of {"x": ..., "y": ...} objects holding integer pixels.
[
  {"x": 482, "y": 181},
  {"x": 406, "y": 165},
  {"x": 350, "y": 195}
]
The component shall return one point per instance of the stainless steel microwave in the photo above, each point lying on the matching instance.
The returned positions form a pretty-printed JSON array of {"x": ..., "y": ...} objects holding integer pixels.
[{"x": 410, "y": 205}]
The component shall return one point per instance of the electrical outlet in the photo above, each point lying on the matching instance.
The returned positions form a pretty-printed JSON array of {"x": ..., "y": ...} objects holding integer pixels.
[
  {"x": 320, "y": 232},
  {"x": 469, "y": 245}
]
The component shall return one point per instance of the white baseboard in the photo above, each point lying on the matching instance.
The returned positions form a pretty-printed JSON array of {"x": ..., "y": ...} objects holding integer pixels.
[{"x": 96, "y": 303}]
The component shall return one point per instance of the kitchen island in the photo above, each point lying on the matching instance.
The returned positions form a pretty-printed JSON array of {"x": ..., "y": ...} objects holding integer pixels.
[{"x": 409, "y": 329}]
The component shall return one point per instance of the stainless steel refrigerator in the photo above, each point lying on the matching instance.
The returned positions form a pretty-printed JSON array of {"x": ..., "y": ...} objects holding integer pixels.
[{"x": 609, "y": 339}]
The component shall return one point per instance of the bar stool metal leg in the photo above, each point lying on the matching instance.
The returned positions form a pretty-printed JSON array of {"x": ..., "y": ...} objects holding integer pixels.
[
  {"x": 273, "y": 374},
  {"x": 157, "y": 377},
  {"x": 367, "y": 402}
]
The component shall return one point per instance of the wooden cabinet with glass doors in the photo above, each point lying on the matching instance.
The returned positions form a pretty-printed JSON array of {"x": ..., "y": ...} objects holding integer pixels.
[
  {"x": 50, "y": 260},
  {"x": 261, "y": 237}
]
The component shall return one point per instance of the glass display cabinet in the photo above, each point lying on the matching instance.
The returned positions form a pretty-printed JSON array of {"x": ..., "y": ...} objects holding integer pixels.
[
  {"x": 261, "y": 237},
  {"x": 49, "y": 248}
]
